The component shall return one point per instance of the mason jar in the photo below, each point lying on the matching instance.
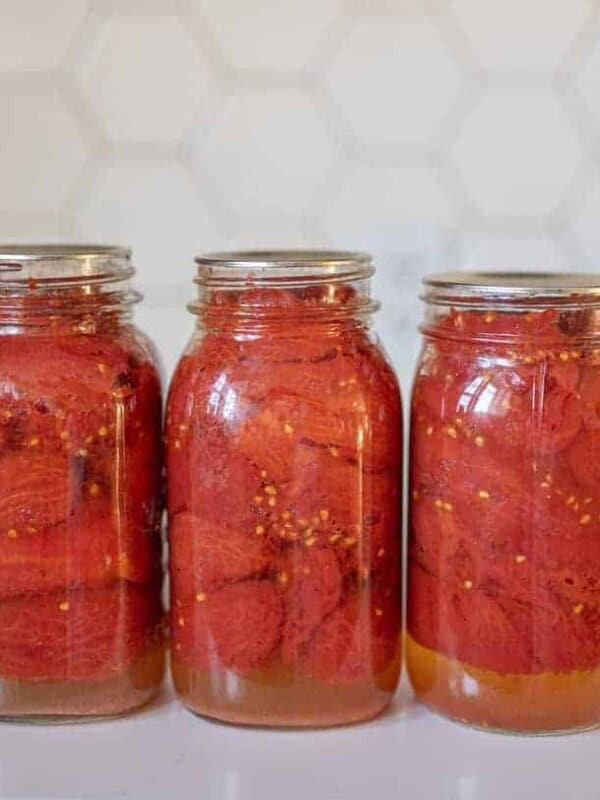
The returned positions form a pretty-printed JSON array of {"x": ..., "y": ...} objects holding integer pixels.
[
  {"x": 283, "y": 437},
  {"x": 504, "y": 539},
  {"x": 80, "y": 469}
]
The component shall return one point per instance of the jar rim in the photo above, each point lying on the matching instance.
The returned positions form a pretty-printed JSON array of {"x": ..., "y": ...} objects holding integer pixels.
[
  {"x": 283, "y": 267},
  {"x": 472, "y": 286},
  {"x": 63, "y": 265}
]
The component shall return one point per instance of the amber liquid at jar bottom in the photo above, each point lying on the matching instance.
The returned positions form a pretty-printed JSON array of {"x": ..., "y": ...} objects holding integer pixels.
[
  {"x": 504, "y": 536},
  {"x": 284, "y": 490},
  {"x": 80, "y": 576}
]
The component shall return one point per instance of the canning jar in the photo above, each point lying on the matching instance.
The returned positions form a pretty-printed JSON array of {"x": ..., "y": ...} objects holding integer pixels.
[
  {"x": 284, "y": 452},
  {"x": 504, "y": 540},
  {"x": 80, "y": 416}
]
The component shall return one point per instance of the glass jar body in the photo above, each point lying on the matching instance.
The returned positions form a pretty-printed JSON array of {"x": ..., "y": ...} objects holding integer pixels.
[
  {"x": 504, "y": 532},
  {"x": 284, "y": 457},
  {"x": 80, "y": 543}
]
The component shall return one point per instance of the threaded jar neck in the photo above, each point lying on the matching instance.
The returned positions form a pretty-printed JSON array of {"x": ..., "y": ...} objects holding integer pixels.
[
  {"x": 247, "y": 289},
  {"x": 43, "y": 283}
]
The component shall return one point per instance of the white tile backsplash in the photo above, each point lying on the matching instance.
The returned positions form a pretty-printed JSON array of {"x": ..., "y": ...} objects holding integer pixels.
[{"x": 436, "y": 133}]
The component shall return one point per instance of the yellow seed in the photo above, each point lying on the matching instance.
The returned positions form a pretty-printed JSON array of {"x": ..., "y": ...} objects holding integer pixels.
[
  {"x": 103, "y": 431},
  {"x": 564, "y": 356},
  {"x": 287, "y": 428},
  {"x": 181, "y": 622},
  {"x": 260, "y": 529},
  {"x": 575, "y": 354},
  {"x": 12, "y": 533},
  {"x": 94, "y": 489},
  {"x": 201, "y": 597},
  {"x": 447, "y": 506},
  {"x": 378, "y": 612},
  {"x": 570, "y": 500},
  {"x": 458, "y": 422},
  {"x": 285, "y": 516},
  {"x": 578, "y": 608},
  {"x": 302, "y": 523},
  {"x": 520, "y": 559},
  {"x": 489, "y": 317},
  {"x": 451, "y": 432},
  {"x": 349, "y": 541},
  {"x": 258, "y": 499},
  {"x": 64, "y": 606},
  {"x": 263, "y": 473},
  {"x": 544, "y": 485},
  {"x": 479, "y": 441},
  {"x": 468, "y": 584},
  {"x": 177, "y": 444},
  {"x": 182, "y": 428},
  {"x": 587, "y": 501},
  {"x": 101, "y": 368},
  {"x": 381, "y": 552},
  {"x": 429, "y": 430},
  {"x": 324, "y": 514},
  {"x": 270, "y": 490},
  {"x": 459, "y": 321},
  {"x": 306, "y": 570},
  {"x": 64, "y": 435},
  {"x": 34, "y": 441},
  {"x": 310, "y": 541},
  {"x": 82, "y": 452},
  {"x": 585, "y": 519},
  {"x": 484, "y": 494},
  {"x": 7, "y": 414},
  {"x": 30, "y": 529},
  {"x": 272, "y": 502},
  {"x": 334, "y": 451},
  {"x": 283, "y": 578},
  {"x": 89, "y": 439},
  {"x": 335, "y": 538}
]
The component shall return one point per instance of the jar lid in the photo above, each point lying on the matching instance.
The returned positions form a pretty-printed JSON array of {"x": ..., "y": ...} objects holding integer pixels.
[{"x": 471, "y": 288}]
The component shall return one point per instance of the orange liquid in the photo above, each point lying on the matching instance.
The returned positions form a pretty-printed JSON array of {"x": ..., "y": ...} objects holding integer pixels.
[
  {"x": 279, "y": 697},
  {"x": 537, "y": 703}
]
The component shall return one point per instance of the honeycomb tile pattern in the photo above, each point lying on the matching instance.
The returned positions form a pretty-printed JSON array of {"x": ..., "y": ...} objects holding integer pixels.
[{"x": 435, "y": 133}]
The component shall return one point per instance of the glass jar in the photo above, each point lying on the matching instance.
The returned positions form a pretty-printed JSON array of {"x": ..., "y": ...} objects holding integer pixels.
[
  {"x": 80, "y": 463},
  {"x": 504, "y": 539},
  {"x": 284, "y": 455}
]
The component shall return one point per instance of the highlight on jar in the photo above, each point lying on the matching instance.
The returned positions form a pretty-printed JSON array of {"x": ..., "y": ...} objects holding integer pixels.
[
  {"x": 284, "y": 446},
  {"x": 80, "y": 469},
  {"x": 504, "y": 534}
]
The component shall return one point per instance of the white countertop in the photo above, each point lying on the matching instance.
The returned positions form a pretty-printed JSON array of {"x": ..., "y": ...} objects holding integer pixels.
[{"x": 166, "y": 752}]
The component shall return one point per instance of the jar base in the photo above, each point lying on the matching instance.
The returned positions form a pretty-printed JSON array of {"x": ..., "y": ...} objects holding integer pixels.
[
  {"x": 279, "y": 698},
  {"x": 540, "y": 704},
  {"x": 64, "y": 702}
]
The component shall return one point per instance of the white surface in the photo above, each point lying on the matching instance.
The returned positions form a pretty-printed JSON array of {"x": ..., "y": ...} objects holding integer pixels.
[{"x": 166, "y": 752}]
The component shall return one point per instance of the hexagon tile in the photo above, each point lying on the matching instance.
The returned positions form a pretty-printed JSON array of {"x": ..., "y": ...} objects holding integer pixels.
[
  {"x": 518, "y": 154},
  {"x": 145, "y": 78},
  {"x": 436, "y": 133},
  {"x": 394, "y": 79}
]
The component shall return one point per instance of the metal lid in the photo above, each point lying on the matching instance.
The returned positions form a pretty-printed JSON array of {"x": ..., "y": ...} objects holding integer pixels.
[{"x": 518, "y": 288}]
